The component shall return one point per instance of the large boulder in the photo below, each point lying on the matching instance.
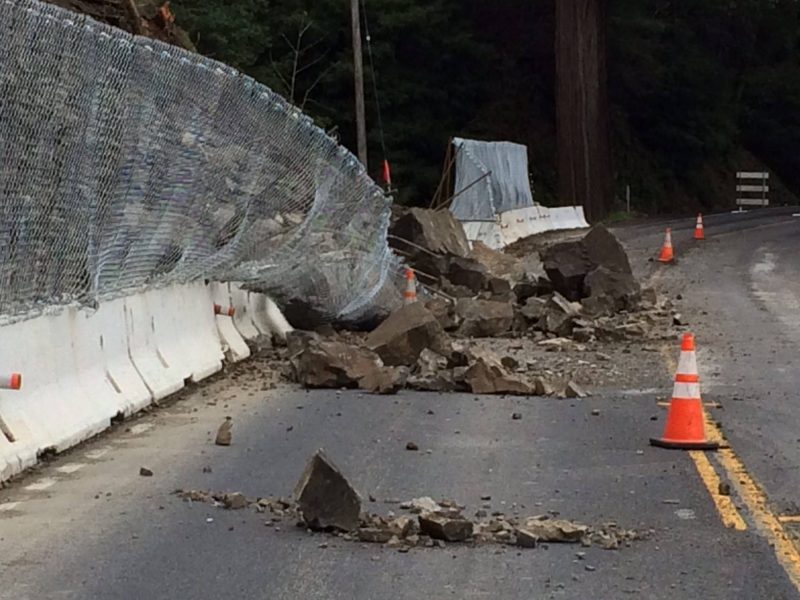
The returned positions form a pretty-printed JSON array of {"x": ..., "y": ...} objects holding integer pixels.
[
  {"x": 604, "y": 249},
  {"x": 468, "y": 273},
  {"x": 437, "y": 231},
  {"x": 401, "y": 338},
  {"x": 320, "y": 363},
  {"x": 568, "y": 264},
  {"x": 325, "y": 498},
  {"x": 617, "y": 290},
  {"x": 484, "y": 318}
]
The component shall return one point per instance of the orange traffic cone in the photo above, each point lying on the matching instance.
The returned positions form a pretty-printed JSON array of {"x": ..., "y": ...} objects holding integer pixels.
[
  {"x": 666, "y": 255},
  {"x": 685, "y": 427},
  {"x": 699, "y": 233},
  {"x": 410, "y": 294}
]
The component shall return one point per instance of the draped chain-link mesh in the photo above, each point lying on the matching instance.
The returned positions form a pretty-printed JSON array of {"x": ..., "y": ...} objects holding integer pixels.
[{"x": 126, "y": 163}]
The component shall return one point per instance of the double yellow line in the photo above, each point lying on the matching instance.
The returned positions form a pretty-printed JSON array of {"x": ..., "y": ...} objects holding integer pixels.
[{"x": 753, "y": 497}]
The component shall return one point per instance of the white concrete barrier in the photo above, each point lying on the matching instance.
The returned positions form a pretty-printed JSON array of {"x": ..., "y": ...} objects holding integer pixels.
[
  {"x": 102, "y": 358},
  {"x": 80, "y": 369},
  {"x": 242, "y": 317},
  {"x": 235, "y": 347},
  {"x": 520, "y": 223},
  {"x": 57, "y": 406}
]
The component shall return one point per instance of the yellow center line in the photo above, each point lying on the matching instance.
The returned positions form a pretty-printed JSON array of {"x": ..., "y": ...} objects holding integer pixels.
[
  {"x": 749, "y": 491},
  {"x": 728, "y": 512},
  {"x": 789, "y": 518}
]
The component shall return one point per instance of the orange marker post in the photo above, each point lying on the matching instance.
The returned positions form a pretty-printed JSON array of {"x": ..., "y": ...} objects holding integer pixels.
[
  {"x": 11, "y": 382},
  {"x": 227, "y": 311}
]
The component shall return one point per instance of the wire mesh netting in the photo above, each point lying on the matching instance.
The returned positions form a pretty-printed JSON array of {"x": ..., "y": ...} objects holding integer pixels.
[{"x": 126, "y": 163}]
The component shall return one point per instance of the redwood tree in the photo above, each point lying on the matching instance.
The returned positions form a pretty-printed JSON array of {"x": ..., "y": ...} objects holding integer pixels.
[{"x": 584, "y": 147}]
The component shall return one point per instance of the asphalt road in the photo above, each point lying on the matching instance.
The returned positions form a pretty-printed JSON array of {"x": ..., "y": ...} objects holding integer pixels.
[{"x": 87, "y": 525}]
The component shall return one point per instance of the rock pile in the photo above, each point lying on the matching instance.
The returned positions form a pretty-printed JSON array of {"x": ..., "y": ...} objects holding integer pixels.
[{"x": 325, "y": 501}]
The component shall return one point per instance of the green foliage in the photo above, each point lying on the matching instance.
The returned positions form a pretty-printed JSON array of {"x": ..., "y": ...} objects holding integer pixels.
[{"x": 692, "y": 82}]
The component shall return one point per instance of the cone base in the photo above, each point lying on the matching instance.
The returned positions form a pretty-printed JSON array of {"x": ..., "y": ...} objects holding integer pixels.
[
  {"x": 666, "y": 260},
  {"x": 684, "y": 445}
]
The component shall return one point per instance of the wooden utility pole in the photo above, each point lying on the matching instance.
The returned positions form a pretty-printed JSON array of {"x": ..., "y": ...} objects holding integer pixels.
[
  {"x": 585, "y": 175},
  {"x": 358, "y": 69}
]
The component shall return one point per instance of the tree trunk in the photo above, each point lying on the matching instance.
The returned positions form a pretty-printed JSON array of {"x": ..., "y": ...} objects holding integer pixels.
[{"x": 585, "y": 175}]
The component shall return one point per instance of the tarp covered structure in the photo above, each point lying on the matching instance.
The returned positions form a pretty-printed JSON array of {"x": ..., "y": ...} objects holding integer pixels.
[
  {"x": 493, "y": 198},
  {"x": 491, "y": 178}
]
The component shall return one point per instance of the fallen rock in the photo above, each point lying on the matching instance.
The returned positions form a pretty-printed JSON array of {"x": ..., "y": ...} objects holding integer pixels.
[
  {"x": 526, "y": 539},
  {"x": 620, "y": 287},
  {"x": 422, "y": 504},
  {"x": 468, "y": 273},
  {"x": 224, "y": 433},
  {"x": 567, "y": 264},
  {"x": 445, "y": 313},
  {"x": 534, "y": 309},
  {"x": 412, "y": 446},
  {"x": 573, "y": 390},
  {"x": 325, "y": 498},
  {"x": 374, "y": 535},
  {"x": 145, "y": 472},
  {"x": 542, "y": 387},
  {"x": 484, "y": 318},
  {"x": 443, "y": 381},
  {"x": 437, "y": 231},
  {"x": 401, "y": 338},
  {"x": 558, "y": 315},
  {"x": 604, "y": 249},
  {"x": 234, "y": 501},
  {"x": 525, "y": 290},
  {"x": 386, "y": 380},
  {"x": 498, "y": 264},
  {"x": 554, "y": 530},
  {"x": 449, "y": 529},
  {"x": 487, "y": 375},
  {"x": 500, "y": 290},
  {"x": 429, "y": 362}
]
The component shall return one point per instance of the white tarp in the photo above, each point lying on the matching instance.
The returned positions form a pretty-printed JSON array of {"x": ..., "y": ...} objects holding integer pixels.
[{"x": 491, "y": 178}]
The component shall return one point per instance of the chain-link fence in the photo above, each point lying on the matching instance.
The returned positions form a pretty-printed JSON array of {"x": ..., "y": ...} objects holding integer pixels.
[{"x": 126, "y": 163}]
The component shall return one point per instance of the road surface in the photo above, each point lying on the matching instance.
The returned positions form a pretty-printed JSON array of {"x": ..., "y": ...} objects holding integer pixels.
[{"x": 87, "y": 525}]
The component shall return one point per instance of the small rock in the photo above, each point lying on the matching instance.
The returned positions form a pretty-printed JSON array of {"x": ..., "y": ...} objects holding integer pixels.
[
  {"x": 145, "y": 472},
  {"x": 516, "y": 416},
  {"x": 575, "y": 391},
  {"x": 724, "y": 489},
  {"x": 440, "y": 527},
  {"x": 234, "y": 501},
  {"x": 224, "y": 434},
  {"x": 412, "y": 446},
  {"x": 595, "y": 413},
  {"x": 526, "y": 539},
  {"x": 423, "y": 504}
]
